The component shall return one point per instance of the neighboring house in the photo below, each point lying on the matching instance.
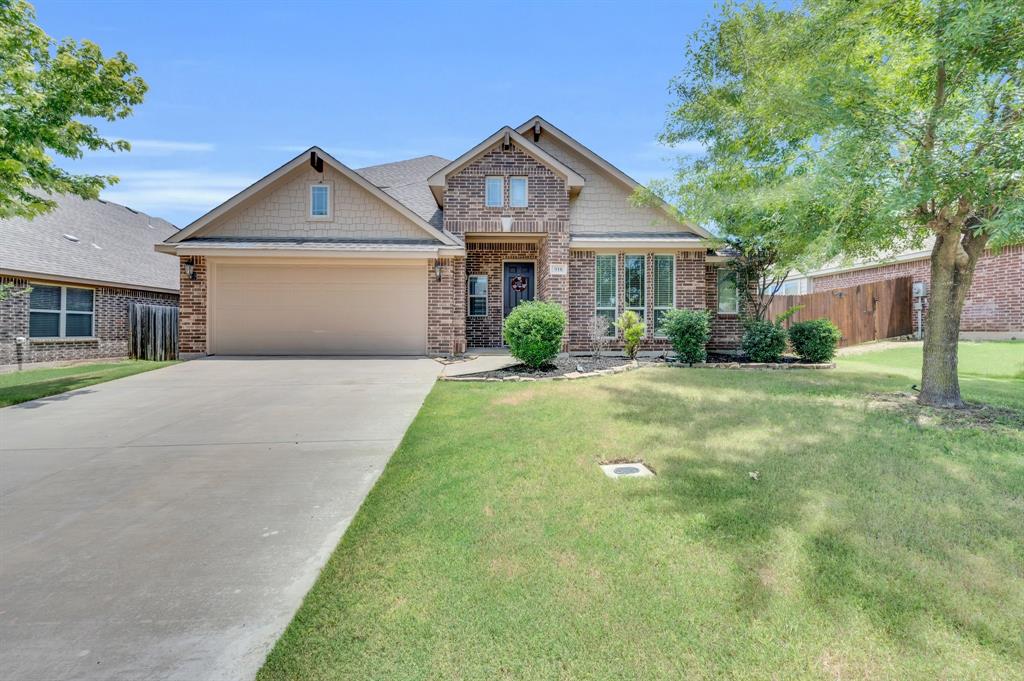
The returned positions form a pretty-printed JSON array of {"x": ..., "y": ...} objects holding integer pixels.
[
  {"x": 994, "y": 308},
  {"x": 429, "y": 255},
  {"x": 74, "y": 270}
]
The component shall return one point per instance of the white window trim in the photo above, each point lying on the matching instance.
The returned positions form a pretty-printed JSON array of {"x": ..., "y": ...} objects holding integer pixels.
[
  {"x": 330, "y": 202},
  {"x": 718, "y": 290},
  {"x": 654, "y": 269},
  {"x": 643, "y": 307},
  {"x": 526, "y": 191},
  {"x": 63, "y": 312},
  {"x": 615, "y": 289},
  {"x": 501, "y": 181},
  {"x": 470, "y": 295}
]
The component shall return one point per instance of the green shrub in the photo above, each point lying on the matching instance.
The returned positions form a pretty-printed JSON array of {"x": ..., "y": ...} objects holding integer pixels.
[
  {"x": 534, "y": 330},
  {"x": 763, "y": 341},
  {"x": 689, "y": 332},
  {"x": 633, "y": 331},
  {"x": 815, "y": 340}
]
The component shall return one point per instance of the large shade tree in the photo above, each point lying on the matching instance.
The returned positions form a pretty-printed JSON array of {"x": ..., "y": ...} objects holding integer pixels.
[
  {"x": 862, "y": 127},
  {"x": 51, "y": 96}
]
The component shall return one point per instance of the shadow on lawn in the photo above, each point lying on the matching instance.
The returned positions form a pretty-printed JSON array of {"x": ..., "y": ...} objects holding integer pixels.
[
  {"x": 885, "y": 522},
  {"x": 40, "y": 394}
]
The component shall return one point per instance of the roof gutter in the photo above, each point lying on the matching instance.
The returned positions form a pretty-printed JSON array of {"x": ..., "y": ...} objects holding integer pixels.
[
  {"x": 228, "y": 251},
  {"x": 58, "y": 278},
  {"x": 594, "y": 243}
]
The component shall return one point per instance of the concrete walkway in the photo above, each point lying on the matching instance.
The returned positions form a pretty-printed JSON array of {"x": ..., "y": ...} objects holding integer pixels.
[
  {"x": 167, "y": 525},
  {"x": 475, "y": 364}
]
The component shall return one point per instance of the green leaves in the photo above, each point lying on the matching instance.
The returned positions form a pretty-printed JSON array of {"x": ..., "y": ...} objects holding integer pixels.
[{"x": 46, "y": 90}]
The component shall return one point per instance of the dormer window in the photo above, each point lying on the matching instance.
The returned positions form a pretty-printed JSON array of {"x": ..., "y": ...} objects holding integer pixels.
[
  {"x": 320, "y": 201},
  {"x": 517, "y": 192},
  {"x": 494, "y": 190}
]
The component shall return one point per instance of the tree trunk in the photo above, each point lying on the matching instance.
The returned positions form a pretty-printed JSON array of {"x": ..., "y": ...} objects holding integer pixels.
[{"x": 952, "y": 268}]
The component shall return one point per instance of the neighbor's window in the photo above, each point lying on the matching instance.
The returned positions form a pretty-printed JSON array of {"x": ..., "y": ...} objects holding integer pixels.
[
  {"x": 517, "y": 192},
  {"x": 605, "y": 283},
  {"x": 728, "y": 293},
  {"x": 319, "y": 200},
  {"x": 636, "y": 284},
  {"x": 60, "y": 311},
  {"x": 664, "y": 289},
  {"x": 494, "y": 190},
  {"x": 478, "y": 295}
]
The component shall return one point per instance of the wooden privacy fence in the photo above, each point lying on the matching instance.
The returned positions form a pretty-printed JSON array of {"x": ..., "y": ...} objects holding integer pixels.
[
  {"x": 881, "y": 309},
  {"x": 152, "y": 331}
]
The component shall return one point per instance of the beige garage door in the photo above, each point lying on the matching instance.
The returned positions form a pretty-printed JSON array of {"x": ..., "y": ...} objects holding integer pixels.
[{"x": 318, "y": 309}]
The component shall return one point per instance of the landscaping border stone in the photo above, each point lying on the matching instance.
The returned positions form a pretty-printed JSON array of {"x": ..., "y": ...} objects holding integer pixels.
[{"x": 570, "y": 376}]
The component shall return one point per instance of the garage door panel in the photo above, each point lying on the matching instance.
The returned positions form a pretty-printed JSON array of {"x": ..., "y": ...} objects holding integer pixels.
[{"x": 319, "y": 309}]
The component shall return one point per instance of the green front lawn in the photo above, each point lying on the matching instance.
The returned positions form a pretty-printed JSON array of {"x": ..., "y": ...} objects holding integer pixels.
[
  {"x": 879, "y": 542},
  {"x": 31, "y": 384}
]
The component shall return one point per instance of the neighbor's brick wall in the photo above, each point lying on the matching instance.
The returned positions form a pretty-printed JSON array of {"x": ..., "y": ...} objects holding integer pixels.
[
  {"x": 547, "y": 195},
  {"x": 446, "y": 306},
  {"x": 192, "y": 313},
  {"x": 110, "y": 326},
  {"x": 995, "y": 303},
  {"x": 489, "y": 259}
]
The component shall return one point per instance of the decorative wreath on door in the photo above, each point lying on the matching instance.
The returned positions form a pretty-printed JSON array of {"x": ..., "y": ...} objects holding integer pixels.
[{"x": 518, "y": 284}]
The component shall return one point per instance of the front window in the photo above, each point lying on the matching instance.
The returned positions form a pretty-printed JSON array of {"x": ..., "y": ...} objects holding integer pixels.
[
  {"x": 605, "y": 285},
  {"x": 728, "y": 293},
  {"x": 636, "y": 284},
  {"x": 319, "y": 201},
  {"x": 60, "y": 311},
  {"x": 664, "y": 289},
  {"x": 478, "y": 295},
  {"x": 494, "y": 190},
  {"x": 517, "y": 192}
]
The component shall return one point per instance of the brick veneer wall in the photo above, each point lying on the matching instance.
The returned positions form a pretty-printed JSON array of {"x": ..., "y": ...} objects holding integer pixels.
[
  {"x": 995, "y": 303},
  {"x": 690, "y": 285},
  {"x": 726, "y": 329},
  {"x": 489, "y": 258},
  {"x": 446, "y": 306},
  {"x": 110, "y": 325},
  {"x": 192, "y": 313},
  {"x": 547, "y": 207}
]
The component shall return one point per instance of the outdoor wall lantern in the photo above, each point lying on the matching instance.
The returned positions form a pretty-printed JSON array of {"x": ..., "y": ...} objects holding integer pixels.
[
  {"x": 437, "y": 270},
  {"x": 190, "y": 269}
]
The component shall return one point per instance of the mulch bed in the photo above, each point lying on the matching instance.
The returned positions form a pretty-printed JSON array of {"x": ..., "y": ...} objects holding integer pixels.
[{"x": 559, "y": 367}]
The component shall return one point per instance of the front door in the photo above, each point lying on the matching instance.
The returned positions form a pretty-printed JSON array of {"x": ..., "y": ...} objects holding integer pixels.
[{"x": 518, "y": 284}]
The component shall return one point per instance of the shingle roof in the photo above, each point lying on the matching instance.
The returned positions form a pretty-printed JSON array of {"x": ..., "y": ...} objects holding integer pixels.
[
  {"x": 406, "y": 181},
  {"x": 115, "y": 244}
]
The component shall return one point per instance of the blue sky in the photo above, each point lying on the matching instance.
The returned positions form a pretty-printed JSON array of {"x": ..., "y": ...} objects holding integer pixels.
[{"x": 236, "y": 89}]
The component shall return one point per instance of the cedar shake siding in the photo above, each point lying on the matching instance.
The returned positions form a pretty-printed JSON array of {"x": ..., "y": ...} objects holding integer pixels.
[
  {"x": 995, "y": 302},
  {"x": 110, "y": 324}
]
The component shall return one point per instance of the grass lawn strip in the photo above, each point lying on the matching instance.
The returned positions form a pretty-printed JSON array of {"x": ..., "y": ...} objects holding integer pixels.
[
  {"x": 870, "y": 545},
  {"x": 33, "y": 384}
]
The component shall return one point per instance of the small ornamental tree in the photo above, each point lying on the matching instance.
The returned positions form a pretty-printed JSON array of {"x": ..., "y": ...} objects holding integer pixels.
[
  {"x": 689, "y": 332},
  {"x": 633, "y": 331},
  {"x": 534, "y": 330}
]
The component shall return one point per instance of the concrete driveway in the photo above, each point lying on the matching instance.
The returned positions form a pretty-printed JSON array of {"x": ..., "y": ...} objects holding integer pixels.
[{"x": 167, "y": 525}]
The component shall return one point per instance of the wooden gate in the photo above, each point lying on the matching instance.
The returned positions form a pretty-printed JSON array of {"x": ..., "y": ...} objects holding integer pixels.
[
  {"x": 881, "y": 309},
  {"x": 152, "y": 331}
]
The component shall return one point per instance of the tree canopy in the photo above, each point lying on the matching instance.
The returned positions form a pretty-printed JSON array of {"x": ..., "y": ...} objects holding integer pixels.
[
  {"x": 51, "y": 96},
  {"x": 849, "y": 128}
]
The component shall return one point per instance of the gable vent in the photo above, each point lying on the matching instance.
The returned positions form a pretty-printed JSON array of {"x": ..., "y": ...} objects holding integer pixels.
[{"x": 71, "y": 237}]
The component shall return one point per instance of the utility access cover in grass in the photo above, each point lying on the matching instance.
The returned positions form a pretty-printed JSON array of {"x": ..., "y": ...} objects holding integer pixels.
[{"x": 626, "y": 470}]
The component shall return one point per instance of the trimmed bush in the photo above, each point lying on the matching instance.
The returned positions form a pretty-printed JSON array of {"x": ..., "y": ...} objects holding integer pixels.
[
  {"x": 534, "y": 330},
  {"x": 689, "y": 332},
  {"x": 633, "y": 331},
  {"x": 763, "y": 341},
  {"x": 815, "y": 340}
]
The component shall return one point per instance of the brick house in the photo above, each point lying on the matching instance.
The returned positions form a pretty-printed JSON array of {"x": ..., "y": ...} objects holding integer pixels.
[
  {"x": 994, "y": 309},
  {"x": 70, "y": 275},
  {"x": 429, "y": 255}
]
